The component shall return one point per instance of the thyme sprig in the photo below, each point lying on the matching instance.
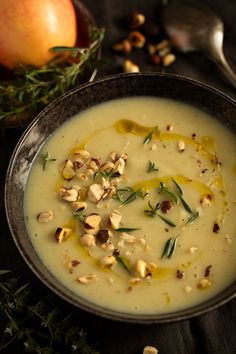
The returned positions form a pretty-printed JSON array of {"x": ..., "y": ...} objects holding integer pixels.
[
  {"x": 33, "y": 88},
  {"x": 47, "y": 158},
  {"x": 153, "y": 211},
  {"x": 37, "y": 323},
  {"x": 152, "y": 167}
]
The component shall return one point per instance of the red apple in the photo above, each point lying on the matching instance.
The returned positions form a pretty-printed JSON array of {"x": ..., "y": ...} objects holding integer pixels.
[{"x": 29, "y": 28}]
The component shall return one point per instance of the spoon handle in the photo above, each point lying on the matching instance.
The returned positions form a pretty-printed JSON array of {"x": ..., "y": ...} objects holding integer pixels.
[{"x": 222, "y": 63}]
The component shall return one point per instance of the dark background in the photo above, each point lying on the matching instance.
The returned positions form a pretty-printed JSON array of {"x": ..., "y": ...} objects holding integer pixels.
[{"x": 212, "y": 333}]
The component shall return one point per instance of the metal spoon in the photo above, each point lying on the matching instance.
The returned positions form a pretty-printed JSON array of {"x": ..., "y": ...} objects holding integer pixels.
[{"x": 192, "y": 27}]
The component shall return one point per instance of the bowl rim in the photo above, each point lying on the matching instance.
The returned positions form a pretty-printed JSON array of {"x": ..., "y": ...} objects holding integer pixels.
[{"x": 90, "y": 307}]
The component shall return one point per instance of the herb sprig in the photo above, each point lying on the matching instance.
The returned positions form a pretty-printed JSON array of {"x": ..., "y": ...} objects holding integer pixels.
[
  {"x": 165, "y": 190},
  {"x": 127, "y": 195},
  {"x": 33, "y": 88},
  {"x": 47, "y": 158},
  {"x": 152, "y": 167},
  {"x": 153, "y": 211},
  {"x": 148, "y": 138},
  {"x": 170, "y": 247},
  {"x": 37, "y": 323},
  {"x": 108, "y": 174},
  {"x": 180, "y": 194}
]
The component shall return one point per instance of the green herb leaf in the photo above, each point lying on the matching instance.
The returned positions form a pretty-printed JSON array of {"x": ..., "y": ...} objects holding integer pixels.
[
  {"x": 33, "y": 88},
  {"x": 170, "y": 247},
  {"x": 53, "y": 330},
  {"x": 185, "y": 205},
  {"x": 152, "y": 211},
  {"x": 78, "y": 215},
  {"x": 193, "y": 217},
  {"x": 108, "y": 174},
  {"x": 164, "y": 189},
  {"x": 133, "y": 196},
  {"x": 149, "y": 136},
  {"x": 167, "y": 221},
  {"x": 178, "y": 187},
  {"x": 121, "y": 193},
  {"x": 127, "y": 229},
  {"x": 152, "y": 167},
  {"x": 124, "y": 263},
  {"x": 47, "y": 158}
]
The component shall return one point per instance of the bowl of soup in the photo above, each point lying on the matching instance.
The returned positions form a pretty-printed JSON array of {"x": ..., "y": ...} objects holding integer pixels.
[{"x": 121, "y": 197}]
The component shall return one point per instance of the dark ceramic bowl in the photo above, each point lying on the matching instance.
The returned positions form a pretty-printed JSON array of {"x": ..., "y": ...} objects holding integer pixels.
[{"x": 157, "y": 85}]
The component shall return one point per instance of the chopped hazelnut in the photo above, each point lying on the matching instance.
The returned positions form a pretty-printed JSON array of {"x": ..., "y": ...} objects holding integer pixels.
[
  {"x": 130, "y": 67},
  {"x": 107, "y": 166},
  {"x": 83, "y": 154},
  {"x": 119, "y": 166},
  {"x": 87, "y": 240},
  {"x": 89, "y": 278},
  {"x": 95, "y": 192},
  {"x": 193, "y": 249},
  {"x": 124, "y": 46},
  {"x": 78, "y": 164},
  {"x": 137, "y": 20},
  {"x": 62, "y": 233},
  {"x": 69, "y": 194},
  {"x": 115, "y": 219},
  {"x": 137, "y": 39},
  {"x": 94, "y": 164},
  {"x": 204, "y": 283},
  {"x": 180, "y": 145},
  {"x": 141, "y": 268},
  {"x": 150, "y": 350},
  {"x": 68, "y": 171},
  {"x": 45, "y": 216},
  {"x": 78, "y": 206},
  {"x": 108, "y": 261},
  {"x": 168, "y": 59},
  {"x": 92, "y": 224}
]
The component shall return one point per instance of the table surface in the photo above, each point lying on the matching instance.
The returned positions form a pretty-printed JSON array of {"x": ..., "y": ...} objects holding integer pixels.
[{"x": 210, "y": 333}]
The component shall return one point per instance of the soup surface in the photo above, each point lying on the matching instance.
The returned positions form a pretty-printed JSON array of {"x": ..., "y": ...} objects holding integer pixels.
[{"x": 131, "y": 205}]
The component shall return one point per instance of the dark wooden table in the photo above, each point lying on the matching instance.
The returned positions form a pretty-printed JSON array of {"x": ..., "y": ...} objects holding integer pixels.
[{"x": 212, "y": 333}]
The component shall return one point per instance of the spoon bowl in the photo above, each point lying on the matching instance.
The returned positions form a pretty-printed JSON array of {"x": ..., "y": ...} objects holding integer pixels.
[{"x": 192, "y": 27}]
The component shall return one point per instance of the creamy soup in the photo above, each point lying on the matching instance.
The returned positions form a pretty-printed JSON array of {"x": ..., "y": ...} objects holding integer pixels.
[{"x": 131, "y": 205}]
